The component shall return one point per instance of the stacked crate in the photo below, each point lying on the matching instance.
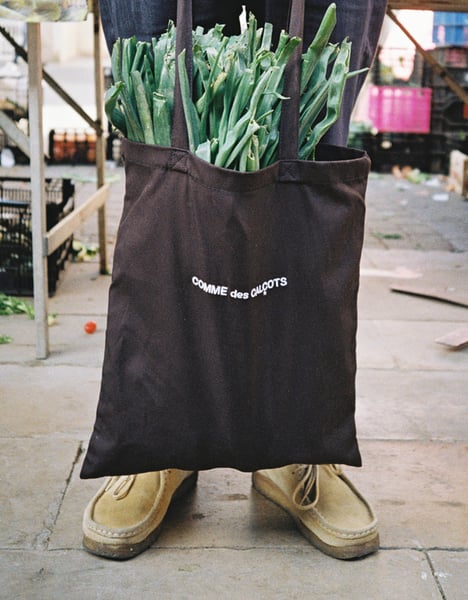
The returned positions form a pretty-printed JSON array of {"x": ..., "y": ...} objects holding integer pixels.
[
  {"x": 399, "y": 109},
  {"x": 449, "y": 115},
  {"x": 16, "y": 259},
  {"x": 419, "y": 120},
  {"x": 450, "y": 28}
]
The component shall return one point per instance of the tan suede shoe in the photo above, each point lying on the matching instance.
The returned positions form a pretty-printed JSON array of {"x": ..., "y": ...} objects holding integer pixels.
[
  {"x": 124, "y": 518},
  {"x": 326, "y": 507}
]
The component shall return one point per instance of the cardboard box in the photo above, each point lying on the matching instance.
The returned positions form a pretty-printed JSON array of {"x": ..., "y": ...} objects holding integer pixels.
[{"x": 459, "y": 172}]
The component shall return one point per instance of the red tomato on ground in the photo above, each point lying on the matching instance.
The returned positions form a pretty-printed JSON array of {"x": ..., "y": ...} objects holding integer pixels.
[{"x": 90, "y": 327}]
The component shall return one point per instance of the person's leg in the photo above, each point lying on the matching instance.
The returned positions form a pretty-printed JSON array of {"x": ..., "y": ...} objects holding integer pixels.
[
  {"x": 359, "y": 20},
  {"x": 144, "y": 19},
  {"x": 326, "y": 507},
  {"x": 125, "y": 516}
]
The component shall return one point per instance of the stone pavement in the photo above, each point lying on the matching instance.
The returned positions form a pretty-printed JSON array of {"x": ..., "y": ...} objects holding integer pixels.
[{"x": 224, "y": 540}]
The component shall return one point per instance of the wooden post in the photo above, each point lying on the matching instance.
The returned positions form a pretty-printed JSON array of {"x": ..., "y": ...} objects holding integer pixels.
[
  {"x": 100, "y": 138},
  {"x": 38, "y": 193}
]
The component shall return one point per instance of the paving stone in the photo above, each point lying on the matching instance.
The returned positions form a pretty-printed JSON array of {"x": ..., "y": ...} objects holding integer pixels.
[
  {"x": 92, "y": 301},
  {"x": 47, "y": 399},
  {"x": 372, "y": 352},
  {"x": 33, "y": 477},
  {"x": 69, "y": 344},
  {"x": 408, "y": 483},
  {"x": 223, "y": 511},
  {"x": 451, "y": 571},
  {"x": 425, "y": 262},
  {"x": 419, "y": 492},
  {"x": 221, "y": 573},
  {"x": 412, "y": 405},
  {"x": 67, "y": 531},
  {"x": 412, "y": 345},
  {"x": 378, "y": 301}
]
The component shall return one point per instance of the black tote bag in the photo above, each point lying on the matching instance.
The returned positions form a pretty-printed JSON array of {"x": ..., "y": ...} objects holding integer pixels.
[{"x": 232, "y": 311}]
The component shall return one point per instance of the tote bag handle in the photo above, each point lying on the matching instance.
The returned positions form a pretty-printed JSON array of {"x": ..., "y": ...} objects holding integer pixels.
[{"x": 289, "y": 123}]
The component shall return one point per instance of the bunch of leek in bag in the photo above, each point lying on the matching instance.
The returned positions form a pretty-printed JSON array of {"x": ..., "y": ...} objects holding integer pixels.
[{"x": 233, "y": 110}]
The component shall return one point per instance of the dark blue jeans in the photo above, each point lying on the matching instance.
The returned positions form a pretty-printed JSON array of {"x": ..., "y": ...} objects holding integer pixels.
[{"x": 359, "y": 20}]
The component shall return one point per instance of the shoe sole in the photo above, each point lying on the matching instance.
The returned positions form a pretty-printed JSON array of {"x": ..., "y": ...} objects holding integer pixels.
[
  {"x": 271, "y": 492},
  {"x": 127, "y": 551}
]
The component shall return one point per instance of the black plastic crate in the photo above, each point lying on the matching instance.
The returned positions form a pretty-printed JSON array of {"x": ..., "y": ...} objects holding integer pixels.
[
  {"x": 444, "y": 95},
  {"x": 455, "y": 61},
  {"x": 16, "y": 260},
  {"x": 448, "y": 112},
  {"x": 454, "y": 56},
  {"x": 450, "y": 119},
  {"x": 433, "y": 80},
  {"x": 387, "y": 150}
]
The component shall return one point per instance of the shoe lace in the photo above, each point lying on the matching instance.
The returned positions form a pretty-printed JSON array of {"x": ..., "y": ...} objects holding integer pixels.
[
  {"x": 307, "y": 492},
  {"x": 119, "y": 486}
]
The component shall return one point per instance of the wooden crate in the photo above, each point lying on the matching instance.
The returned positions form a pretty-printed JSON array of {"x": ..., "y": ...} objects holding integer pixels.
[{"x": 459, "y": 172}]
